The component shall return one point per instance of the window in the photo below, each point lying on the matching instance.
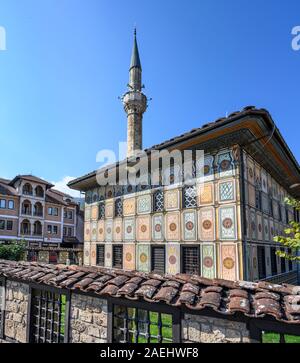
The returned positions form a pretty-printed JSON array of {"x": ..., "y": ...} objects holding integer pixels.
[
  {"x": 118, "y": 207},
  {"x": 133, "y": 325},
  {"x": 273, "y": 261},
  {"x": 100, "y": 255},
  {"x": 158, "y": 259},
  {"x": 117, "y": 256},
  {"x": 258, "y": 199},
  {"x": 2, "y": 203},
  {"x": 189, "y": 197},
  {"x": 50, "y": 211},
  {"x": 2, "y": 307},
  {"x": 190, "y": 259},
  {"x": 27, "y": 189},
  {"x": 65, "y": 231},
  {"x": 70, "y": 232},
  {"x": 101, "y": 210},
  {"x": 158, "y": 204},
  {"x": 49, "y": 229},
  {"x": 65, "y": 214},
  {"x": 9, "y": 225},
  {"x": 261, "y": 260},
  {"x": 55, "y": 212},
  {"x": 70, "y": 214},
  {"x": 49, "y": 317},
  {"x": 282, "y": 263},
  {"x": 55, "y": 230},
  {"x": 2, "y": 224},
  {"x": 11, "y": 204},
  {"x": 39, "y": 191}
]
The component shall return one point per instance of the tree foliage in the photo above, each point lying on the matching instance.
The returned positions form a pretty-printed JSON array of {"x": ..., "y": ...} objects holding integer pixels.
[
  {"x": 13, "y": 251},
  {"x": 291, "y": 240}
]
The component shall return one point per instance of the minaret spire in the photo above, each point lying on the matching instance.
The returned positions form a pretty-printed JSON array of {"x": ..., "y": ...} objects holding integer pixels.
[{"x": 135, "y": 102}]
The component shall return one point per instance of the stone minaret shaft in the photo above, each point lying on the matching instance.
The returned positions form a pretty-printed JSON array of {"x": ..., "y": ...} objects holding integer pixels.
[{"x": 135, "y": 103}]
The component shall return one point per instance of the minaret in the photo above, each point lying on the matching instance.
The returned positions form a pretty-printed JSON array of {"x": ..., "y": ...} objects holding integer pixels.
[{"x": 135, "y": 103}]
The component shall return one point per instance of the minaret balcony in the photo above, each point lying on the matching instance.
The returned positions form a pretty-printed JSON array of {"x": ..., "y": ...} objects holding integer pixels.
[{"x": 135, "y": 101}]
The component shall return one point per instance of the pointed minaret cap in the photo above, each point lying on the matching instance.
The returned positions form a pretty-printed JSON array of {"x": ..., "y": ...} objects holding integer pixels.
[{"x": 135, "y": 57}]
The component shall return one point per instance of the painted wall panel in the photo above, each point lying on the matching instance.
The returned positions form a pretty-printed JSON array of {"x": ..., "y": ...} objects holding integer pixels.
[
  {"x": 172, "y": 258},
  {"x": 129, "y": 256},
  {"x": 101, "y": 231},
  {"x": 108, "y": 255},
  {"x": 94, "y": 231},
  {"x": 129, "y": 206},
  {"x": 87, "y": 232},
  {"x": 189, "y": 226},
  {"x": 228, "y": 262},
  {"x": 158, "y": 227},
  {"x": 143, "y": 257},
  {"x": 206, "y": 194},
  {"x": 129, "y": 229},
  {"x": 144, "y": 204},
  {"x": 109, "y": 230},
  {"x": 227, "y": 220},
  {"x": 207, "y": 224},
  {"x": 118, "y": 229},
  {"x": 172, "y": 199},
  {"x": 208, "y": 256},
  {"x": 173, "y": 226},
  {"x": 143, "y": 228}
]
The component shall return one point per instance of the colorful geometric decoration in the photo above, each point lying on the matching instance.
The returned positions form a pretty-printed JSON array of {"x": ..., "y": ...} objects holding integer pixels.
[
  {"x": 109, "y": 209},
  {"x": 143, "y": 228},
  {"x": 87, "y": 213},
  {"x": 43, "y": 256},
  {"x": 172, "y": 258},
  {"x": 109, "y": 191},
  {"x": 173, "y": 226},
  {"x": 118, "y": 229},
  {"x": 93, "y": 254},
  {"x": 207, "y": 224},
  {"x": 208, "y": 261},
  {"x": 129, "y": 206},
  {"x": 266, "y": 230},
  {"x": 272, "y": 230},
  {"x": 228, "y": 262},
  {"x": 226, "y": 191},
  {"x": 227, "y": 220},
  {"x": 158, "y": 227},
  {"x": 225, "y": 164},
  {"x": 94, "y": 231},
  {"x": 253, "y": 226},
  {"x": 63, "y": 257},
  {"x": 109, "y": 230},
  {"x": 189, "y": 225},
  {"x": 206, "y": 194},
  {"x": 250, "y": 171},
  {"x": 206, "y": 171},
  {"x": 87, "y": 232},
  {"x": 129, "y": 256},
  {"x": 259, "y": 227},
  {"x": 143, "y": 258},
  {"x": 86, "y": 255},
  {"x": 101, "y": 231},
  {"x": 108, "y": 255},
  {"x": 144, "y": 204},
  {"x": 172, "y": 199},
  {"x": 129, "y": 229},
  {"x": 94, "y": 212}
]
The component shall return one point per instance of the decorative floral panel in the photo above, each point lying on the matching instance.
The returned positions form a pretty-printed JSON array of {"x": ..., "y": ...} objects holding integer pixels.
[
  {"x": 172, "y": 199},
  {"x": 87, "y": 213},
  {"x": 251, "y": 195},
  {"x": 173, "y": 226},
  {"x": 94, "y": 231},
  {"x": 94, "y": 212},
  {"x": 93, "y": 254},
  {"x": 109, "y": 209},
  {"x": 173, "y": 258},
  {"x": 86, "y": 256},
  {"x": 129, "y": 256},
  {"x": 118, "y": 229},
  {"x": 226, "y": 191},
  {"x": 208, "y": 261},
  {"x": 225, "y": 164},
  {"x": 207, "y": 224},
  {"x": 108, "y": 255},
  {"x": 264, "y": 181},
  {"x": 271, "y": 230},
  {"x": 158, "y": 227},
  {"x": 109, "y": 191},
  {"x": 251, "y": 171},
  {"x": 109, "y": 230},
  {"x": 144, "y": 204},
  {"x": 228, "y": 262},
  {"x": 266, "y": 230},
  {"x": 275, "y": 209},
  {"x": 129, "y": 207},
  {"x": 101, "y": 231},
  {"x": 128, "y": 189},
  {"x": 129, "y": 229},
  {"x": 87, "y": 232},
  {"x": 189, "y": 225},
  {"x": 63, "y": 257},
  {"x": 206, "y": 171},
  {"x": 143, "y": 228},
  {"x": 257, "y": 174},
  {"x": 206, "y": 193},
  {"x": 43, "y": 256},
  {"x": 227, "y": 220},
  {"x": 259, "y": 227},
  {"x": 143, "y": 257},
  {"x": 253, "y": 226}
]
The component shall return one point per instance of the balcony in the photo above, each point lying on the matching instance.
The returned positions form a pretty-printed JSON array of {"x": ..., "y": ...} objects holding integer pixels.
[
  {"x": 26, "y": 212},
  {"x": 38, "y": 214}
]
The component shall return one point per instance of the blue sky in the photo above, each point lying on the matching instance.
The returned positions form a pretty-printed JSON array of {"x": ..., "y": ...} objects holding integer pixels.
[{"x": 67, "y": 62}]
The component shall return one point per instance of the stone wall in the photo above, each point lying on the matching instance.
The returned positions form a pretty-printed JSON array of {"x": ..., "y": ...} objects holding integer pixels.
[
  {"x": 203, "y": 329},
  {"x": 88, "y": 321},
  {"x": 16, "y": 307}
]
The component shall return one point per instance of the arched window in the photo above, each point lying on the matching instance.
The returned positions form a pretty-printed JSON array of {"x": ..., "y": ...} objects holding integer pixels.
[
  {"x": 26, "y": 208},
  {"x": 38, "y": 210},
  {"x": 25, "y": 227},
  {"x": 39, "y": 191},
  {"x": 27, "y": 189},
  {"x": 37, "y": 228}
]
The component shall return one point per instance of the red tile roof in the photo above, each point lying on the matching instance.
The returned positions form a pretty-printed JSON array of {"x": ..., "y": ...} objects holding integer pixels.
[{"x": 255, "y": 300}]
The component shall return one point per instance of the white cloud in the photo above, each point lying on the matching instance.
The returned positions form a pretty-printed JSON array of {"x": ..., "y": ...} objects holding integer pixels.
[{"x": 62, "y": 186}]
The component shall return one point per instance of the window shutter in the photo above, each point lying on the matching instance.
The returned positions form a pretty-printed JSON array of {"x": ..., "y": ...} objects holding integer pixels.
[
  {"x": 100, "y": 255},
  {"x": 158, "y": 259},
  {"x": 261, "y": 262},
  {"x": 118, "y": 256},
  {"x": 190, "y": 260}
]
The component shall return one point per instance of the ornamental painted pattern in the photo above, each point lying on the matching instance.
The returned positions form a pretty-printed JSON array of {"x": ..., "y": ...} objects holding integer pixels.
[
  {"x": 206, "y": 171},
  {"x": 251, "y": 195},
  {"x": 227, "y": 220},
  {"x": 109, "y": 209},
  {"x": 226, "y": 191},
  {"x": 259, "y": 227},
  {"x": 101, "y": 231},
  {"x": 250, "y": 171},
  {"x": 173, "y": 226},
  {"x": 189, "y": 226},
  {"x": 143, "y": 257},
  {"x": 206, "y": 194},
  {"x": 208, "y": 261},
  {"x": 109, "y": 230},
  {"x": 264, "y": 181},
  {"x": 108, "y": 255},
  {"x": 129, "y": 229},
  {"x": 93, "y": 254},
  {"x": 172, "y": 199},
  {"x": 118, "y": 229},
  {"x": 225, "y": 164},
  {"x": 86, "y": 256},
  {"x": 94, "y": 212},
  {"x": 129, "y": 256},
  {"x": 87, "y": 213},
  {"x": 129, "y": 206},
  {"x": 158, "y": 227},
  {"x": 143, "y": 228},
  {"x": 207, "y": 224},
  {"x": 272, "y": 230},
  {"x": 228, "y": 262},
  {"x": 266, "y": 230},
  {"x": 253, "y": 227},
  {"x": 94, "y": 231},
  {"x": 87, "y": 232},
  {"x": 173, "y": 258},
  {"x": 144, "y": 204}
]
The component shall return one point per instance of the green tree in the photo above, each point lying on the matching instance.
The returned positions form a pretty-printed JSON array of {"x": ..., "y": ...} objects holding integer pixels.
[
  {"x": 291, "y": 240},
  {"x": 14, "y": 251}
]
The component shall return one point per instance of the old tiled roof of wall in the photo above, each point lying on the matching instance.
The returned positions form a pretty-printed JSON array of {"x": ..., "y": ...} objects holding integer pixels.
[
  {"x": 31, "y": 178},
  {"x": 196, "y": 293}
]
